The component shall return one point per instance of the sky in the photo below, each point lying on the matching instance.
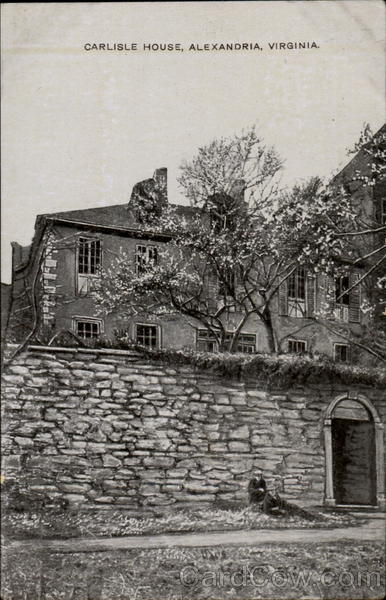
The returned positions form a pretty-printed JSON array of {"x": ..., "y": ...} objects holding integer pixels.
[{"x": 80, "y": 128}]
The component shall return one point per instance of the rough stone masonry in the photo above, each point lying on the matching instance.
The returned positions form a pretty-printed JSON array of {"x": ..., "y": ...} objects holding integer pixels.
[{"x": 107, "y": 428}]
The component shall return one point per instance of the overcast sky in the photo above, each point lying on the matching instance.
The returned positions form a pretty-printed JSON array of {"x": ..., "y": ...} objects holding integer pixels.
[{"x": 80, "y": 128}]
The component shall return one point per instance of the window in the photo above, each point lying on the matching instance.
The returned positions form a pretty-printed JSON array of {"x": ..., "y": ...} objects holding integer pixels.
[
  {"x": 89, "y": 264},
  {"x": 342, "y": 284},
  {"x": 297, "y": 293},
  {"x": 206, "y": 341},
  {"x": 297, "y": 346},
  {"x": 342, "y": 297},
  {"x": 246, "y": 342},
  {"x": 341, "y": 352},
  {"x": 147, "y": 335},
  {"x": 87, "y": 329},
  {"x": 89, "y": 256},
  {"x": 227, "y": 286},
  {"x": 146, "y": 256}
]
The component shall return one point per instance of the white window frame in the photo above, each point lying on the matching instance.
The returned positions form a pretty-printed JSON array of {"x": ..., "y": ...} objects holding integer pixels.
[
  {"x": 158, "y": 334},
  {"x": 348, "y": 352},
  {"x": 85, "y": 319},
  {"x": 296, "y": 341},
  {"x": 140, "y": 267},
  {"x": 89, "y": 240},
  {"x": 86, "y": 283}
]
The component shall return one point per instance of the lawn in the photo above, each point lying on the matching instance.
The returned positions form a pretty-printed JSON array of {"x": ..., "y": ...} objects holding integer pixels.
[
  {"x": 328, "y": 571},
  {"x": 111, "y": 523}
]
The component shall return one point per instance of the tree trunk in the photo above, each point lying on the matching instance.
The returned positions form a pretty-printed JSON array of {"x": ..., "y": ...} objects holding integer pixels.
[
  {"x": 234, "y": 342},
  {"x": 267, "y": 320}
]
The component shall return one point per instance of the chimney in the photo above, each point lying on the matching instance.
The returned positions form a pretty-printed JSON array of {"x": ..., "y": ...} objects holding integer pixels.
[
  {"x": 161, "y": 184},
  {"x": 150, "y": 197}
]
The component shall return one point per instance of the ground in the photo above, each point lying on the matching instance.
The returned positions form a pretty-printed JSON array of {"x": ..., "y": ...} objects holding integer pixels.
[
  {"x": 331, "y": 570},
  {"x": 242, "y": 564},
  {"x": 98, "y": 523}
]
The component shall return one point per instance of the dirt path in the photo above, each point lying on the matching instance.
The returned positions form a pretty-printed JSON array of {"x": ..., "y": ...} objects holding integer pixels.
[{"x": 373, "y": 530}]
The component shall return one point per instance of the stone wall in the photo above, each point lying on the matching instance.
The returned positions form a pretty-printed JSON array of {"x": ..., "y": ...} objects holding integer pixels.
[{"x": 108, "y": 428}]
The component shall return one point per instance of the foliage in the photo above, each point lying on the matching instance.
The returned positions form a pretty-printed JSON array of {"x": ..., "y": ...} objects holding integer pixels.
[
  {"x": 374, "y": 147},
  {"x": 212, "y": 251},
  {"x": 227, "y": 259},
  {"x": 228, "y": 167},
  {"x": 280, "y": 370}
]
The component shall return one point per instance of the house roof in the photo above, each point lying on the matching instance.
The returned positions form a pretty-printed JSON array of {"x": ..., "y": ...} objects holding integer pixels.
[
  {"x": 116, "y": 218},
  {"x": 359, "y": 158},
  {"x": 118, "y": 215}
]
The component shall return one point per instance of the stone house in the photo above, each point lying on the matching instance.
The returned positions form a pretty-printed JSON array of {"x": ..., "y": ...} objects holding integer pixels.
[{"x": 54, "y": 278}]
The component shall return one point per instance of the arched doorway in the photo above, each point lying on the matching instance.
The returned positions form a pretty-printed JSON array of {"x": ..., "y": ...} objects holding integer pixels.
[{"x": 354, "y": 453}]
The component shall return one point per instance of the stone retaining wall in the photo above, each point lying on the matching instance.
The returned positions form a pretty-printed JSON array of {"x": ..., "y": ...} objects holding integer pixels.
[{"x": 107, "y": 428}]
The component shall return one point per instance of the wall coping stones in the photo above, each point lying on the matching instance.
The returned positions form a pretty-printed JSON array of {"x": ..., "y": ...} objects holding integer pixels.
[{"x": 83, "y": 350}]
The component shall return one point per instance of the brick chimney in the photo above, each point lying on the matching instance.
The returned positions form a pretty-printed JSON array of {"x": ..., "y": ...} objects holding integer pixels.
[
  {"x": 150, "y": 197},
  {"x": 161, "y": 184}
]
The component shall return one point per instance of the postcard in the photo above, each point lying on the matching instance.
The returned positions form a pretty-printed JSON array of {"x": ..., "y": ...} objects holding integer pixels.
[{"x": 193, "y": 309}]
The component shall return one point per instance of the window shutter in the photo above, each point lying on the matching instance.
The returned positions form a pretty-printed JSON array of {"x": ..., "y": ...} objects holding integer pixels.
[
  {"x": 330, "y": 296},
  {"x": 379, "y": 198},
  {"x": 311, "y": 294},
  {"x": 238, "y": 276},
  {"x": 283, "y": 298},
  {"x": 212, "y": 292},
  {"x": 354, "y": 306}
]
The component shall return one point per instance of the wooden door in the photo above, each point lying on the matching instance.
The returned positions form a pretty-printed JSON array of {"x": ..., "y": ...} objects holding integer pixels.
[{"x": 353, "y": 455}]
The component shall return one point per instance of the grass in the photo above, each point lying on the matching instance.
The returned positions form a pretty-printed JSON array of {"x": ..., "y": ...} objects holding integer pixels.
[
  {"x": 54, "y": 524},
  {"x": 328, "y": 571}
]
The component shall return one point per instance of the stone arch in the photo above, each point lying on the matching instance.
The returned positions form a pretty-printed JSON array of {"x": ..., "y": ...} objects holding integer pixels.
[{"x": 373, "y": 417}]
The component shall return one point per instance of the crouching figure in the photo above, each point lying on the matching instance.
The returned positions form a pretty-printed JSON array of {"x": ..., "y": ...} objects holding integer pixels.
[
  {"x": 272, "y": 504},
  {"x": 261, "y": 498}
]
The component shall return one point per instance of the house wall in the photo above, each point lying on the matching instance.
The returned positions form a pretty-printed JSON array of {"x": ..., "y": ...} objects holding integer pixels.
[
  {"x": 108, "y": 428},
  {"x": 61, "y": 303},
  {"x": 66, "y": 304}
]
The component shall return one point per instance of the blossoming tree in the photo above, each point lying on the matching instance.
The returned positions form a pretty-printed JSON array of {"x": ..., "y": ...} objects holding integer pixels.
[{"x": 243, "y": 240}]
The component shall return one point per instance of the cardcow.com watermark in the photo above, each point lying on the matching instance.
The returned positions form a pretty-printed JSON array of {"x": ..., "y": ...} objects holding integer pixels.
[{"x": 261, "y": 576}]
